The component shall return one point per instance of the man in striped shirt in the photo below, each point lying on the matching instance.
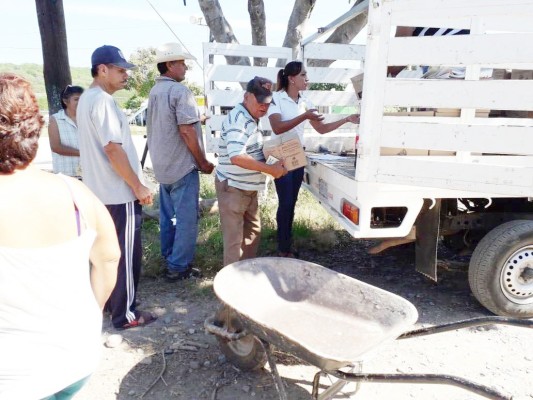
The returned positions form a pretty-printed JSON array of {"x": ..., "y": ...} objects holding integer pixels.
[{"x": 239, "y": 174}]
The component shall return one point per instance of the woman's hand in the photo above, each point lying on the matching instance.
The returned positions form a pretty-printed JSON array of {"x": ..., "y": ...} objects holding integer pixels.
[
  {"x": 354, "y": 118},
  {"x": 313, "y": 115}
]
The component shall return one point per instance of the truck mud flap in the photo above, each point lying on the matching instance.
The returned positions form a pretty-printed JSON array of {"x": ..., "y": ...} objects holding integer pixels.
[{"x": 427, "y": 235}]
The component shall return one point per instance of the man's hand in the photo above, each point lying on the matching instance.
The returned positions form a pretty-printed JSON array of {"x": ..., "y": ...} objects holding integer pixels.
[
  {"x": 121, "y": 165},
  {"x": 206, "y": 167},
  {"x": 143, "y": 194},
  {"x": 277, "y": 170}
]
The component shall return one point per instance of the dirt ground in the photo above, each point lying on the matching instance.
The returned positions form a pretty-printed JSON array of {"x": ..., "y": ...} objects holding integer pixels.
[{"x": 174, "y": 358}]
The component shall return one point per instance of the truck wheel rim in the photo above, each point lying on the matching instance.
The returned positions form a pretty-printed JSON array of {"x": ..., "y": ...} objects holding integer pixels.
[{"x": 517, "y": 276}]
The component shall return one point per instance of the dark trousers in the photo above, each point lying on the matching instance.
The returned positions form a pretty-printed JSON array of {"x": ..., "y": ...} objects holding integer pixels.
[
  {"x": 121, "y": 303},
  {"x": 287, "y": 188}
]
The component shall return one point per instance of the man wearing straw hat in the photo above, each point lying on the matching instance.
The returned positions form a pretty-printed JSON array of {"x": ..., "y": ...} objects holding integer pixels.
[{"x": 177, "y": 152}]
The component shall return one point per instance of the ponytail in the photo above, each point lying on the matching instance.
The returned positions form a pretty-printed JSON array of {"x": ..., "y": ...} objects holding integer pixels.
[
  {"x": 283, "y": 80},
  {"x": 291, "y": 69}
]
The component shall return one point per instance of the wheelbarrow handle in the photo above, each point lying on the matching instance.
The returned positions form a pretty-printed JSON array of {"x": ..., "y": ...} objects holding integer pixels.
[
  {"x": 524, "y": 323},
  {"x": 211, "y": 327},
  {"x": 481, "y": 390}
]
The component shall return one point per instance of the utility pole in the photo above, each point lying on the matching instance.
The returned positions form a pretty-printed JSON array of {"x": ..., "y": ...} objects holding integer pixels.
[{"x": 56, "y": 67}]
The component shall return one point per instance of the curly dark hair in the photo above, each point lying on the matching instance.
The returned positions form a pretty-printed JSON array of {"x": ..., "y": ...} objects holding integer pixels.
[
  {"x": 20, "y": 123},
  {"x": 68, "y": 92}
]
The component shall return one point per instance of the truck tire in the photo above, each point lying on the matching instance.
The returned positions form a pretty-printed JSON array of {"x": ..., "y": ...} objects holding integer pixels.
[
  {"x": 501, "y": 270},
  {"x": 247, "y": 353}
]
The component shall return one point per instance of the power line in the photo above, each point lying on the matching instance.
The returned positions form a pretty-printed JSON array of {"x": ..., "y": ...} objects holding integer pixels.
[{"x": 174, "y": 33}]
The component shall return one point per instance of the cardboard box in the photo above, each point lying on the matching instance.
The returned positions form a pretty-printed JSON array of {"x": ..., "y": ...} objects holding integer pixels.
[
  {"x": 427, "y": 113},
  {"x": 498, "y": 73},
  {"x": 393, "y": 151},
  {"x": 456, "y": 112},
  {"x": 286, "y": 148},
  {"x": 357, "y": 82},
  {"x": 521, "y": 74}
]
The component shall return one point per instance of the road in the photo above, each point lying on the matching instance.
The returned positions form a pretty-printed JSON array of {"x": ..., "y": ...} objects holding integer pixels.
[{"x": 43, "y": 159}]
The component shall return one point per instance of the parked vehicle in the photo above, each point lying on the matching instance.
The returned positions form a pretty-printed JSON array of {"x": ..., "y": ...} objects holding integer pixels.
[
  {"x": 139, "y": 117},
  {"x": 436, "y": 158}
]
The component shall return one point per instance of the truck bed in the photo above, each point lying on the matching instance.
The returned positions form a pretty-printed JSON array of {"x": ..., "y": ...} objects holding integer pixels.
[{"x": 344, "y": 165}]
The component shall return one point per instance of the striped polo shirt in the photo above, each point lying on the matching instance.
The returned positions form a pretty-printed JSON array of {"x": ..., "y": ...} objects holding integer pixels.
[{"x": 241, "y": 134}]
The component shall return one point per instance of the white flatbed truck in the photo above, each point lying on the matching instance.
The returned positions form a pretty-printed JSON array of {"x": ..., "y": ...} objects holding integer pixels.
[{"x": 452, "y": 171}]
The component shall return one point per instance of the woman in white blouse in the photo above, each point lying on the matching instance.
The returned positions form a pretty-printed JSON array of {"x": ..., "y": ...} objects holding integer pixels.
[
  {"x": 287, "y": 113},
  {"x": 63, "y": 134}
]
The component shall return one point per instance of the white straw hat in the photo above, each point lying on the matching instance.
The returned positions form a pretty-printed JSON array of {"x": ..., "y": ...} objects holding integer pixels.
[{"x": 171, "y": 52}]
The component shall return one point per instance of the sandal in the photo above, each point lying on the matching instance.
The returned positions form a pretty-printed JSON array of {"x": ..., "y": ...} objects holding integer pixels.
[{"x": 143, "y": 318}]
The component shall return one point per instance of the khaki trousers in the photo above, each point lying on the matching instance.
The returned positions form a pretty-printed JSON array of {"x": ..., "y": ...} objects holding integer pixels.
[{"x": 239, "y": 218}]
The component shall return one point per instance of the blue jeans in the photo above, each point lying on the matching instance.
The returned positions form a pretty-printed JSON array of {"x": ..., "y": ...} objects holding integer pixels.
[
  {"x": 178, "y": 221},
  {"x": 287, "y": 188}
]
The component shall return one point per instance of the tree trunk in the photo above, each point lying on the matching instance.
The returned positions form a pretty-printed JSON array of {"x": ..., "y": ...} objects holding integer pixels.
[
  {"x": 56, "y": 68},
  {"x": 343, "y": 34},
  {"x": 220, "y": 28},
  {"x": 256, "y": 9},
  {"x": 300, "y": 15}
]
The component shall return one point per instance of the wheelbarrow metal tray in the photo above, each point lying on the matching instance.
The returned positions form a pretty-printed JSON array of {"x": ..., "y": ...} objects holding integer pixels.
[{"x": 321, "y": 316}]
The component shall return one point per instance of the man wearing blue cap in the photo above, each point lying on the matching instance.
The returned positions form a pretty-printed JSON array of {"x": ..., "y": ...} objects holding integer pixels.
[{"x": 111, "y": 169}]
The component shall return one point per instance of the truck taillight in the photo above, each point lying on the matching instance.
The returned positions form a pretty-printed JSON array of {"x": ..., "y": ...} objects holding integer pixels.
[{"x": 350, "y": 211}]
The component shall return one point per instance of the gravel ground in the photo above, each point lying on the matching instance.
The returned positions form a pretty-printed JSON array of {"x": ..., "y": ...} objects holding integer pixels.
[{"x": 174, "y": 358}]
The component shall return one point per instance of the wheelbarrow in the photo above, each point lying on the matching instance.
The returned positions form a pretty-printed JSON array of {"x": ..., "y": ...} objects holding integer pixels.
[{"x": 322, "y": 317}]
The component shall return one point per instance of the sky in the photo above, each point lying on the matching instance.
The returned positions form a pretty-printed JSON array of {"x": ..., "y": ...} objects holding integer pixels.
[{"x": 133, "y": 24}]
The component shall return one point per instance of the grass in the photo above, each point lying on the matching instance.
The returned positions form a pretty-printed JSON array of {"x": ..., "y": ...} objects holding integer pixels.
[{"x": 313, "y": 230}]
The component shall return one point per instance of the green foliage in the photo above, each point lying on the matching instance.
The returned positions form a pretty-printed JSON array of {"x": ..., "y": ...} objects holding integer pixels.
[
  {"x": 207, "y": 187},
  {"x": 327, "y": 86},
  {"x": 153, "y": 263},
  {"x": 142, "y": 78},
  {"x": 210, "y": 246},
  {"x": 195, "y": 89},
  {"x": 133, "y": 103},
  {"x": 34, "y": 74}
]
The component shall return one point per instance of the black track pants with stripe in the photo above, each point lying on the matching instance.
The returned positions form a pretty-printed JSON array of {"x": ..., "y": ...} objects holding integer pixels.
[{"x": 121, "y": 303}]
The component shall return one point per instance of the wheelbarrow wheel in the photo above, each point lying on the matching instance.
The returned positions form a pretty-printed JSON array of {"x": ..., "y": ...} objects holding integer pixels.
[{"x": 246, "y": 353}]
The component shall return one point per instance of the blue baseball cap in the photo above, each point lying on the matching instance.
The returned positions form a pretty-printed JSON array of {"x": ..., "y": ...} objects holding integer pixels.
[{"x": 110, "y": 55}]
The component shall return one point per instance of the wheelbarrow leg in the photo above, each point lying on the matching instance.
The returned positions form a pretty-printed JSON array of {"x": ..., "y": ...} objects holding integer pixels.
[
  {"x": 336, "y": 387},
  {"x": 277, "y": 379}
]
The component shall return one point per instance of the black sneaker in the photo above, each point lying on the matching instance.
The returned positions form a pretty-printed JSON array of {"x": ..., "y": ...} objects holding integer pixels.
[{"x": 173, "y": 276}]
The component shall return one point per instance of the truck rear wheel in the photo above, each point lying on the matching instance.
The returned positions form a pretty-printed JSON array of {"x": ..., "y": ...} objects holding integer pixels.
[
  {"x": 246, "y": 353},
  {"x": 501, "y": 270}
]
